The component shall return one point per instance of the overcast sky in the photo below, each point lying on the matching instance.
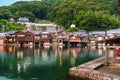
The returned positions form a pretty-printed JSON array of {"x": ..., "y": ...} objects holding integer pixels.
[{"x": 9, "y": 2}]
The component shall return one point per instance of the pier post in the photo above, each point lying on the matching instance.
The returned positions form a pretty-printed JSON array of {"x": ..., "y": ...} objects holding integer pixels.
[
  {"x": 107, "y": 57},
  {"x": 106, "y": 50}
]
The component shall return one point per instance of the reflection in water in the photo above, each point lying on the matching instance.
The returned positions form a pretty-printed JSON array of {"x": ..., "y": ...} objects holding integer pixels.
[
  {"x": 10, "y": 49},
  {"x": 1, "y": 48},
  {"x": 18, "y": 66},
  {"x": 74, "y": 52},
  {"x": 19, "y": 54},
  {"x": 43, "y": 63}
]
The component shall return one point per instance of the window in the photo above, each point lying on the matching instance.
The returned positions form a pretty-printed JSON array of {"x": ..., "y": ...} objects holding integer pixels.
[
  {"x": 44, "y": 36},
  {"x": 13, "y": 35},
  {"x": 28, "y": 35},
  {"x": 21, "y": 35},
  {"x": 37, "y": 37}
]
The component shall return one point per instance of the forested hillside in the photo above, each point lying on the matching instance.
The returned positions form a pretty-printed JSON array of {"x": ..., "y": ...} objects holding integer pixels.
[{"x": 85, "y": 14}]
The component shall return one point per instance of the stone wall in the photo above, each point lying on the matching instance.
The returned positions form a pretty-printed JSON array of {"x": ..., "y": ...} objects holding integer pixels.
[{"x": 87, "y": 74}]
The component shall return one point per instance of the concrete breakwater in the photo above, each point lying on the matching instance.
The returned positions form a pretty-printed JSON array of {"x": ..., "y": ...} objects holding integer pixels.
[{"x": 88, "y": 71}]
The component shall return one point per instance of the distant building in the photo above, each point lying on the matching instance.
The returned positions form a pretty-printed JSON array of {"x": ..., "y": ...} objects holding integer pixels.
[
  {"x": 113, "y": 33},
  {"x": 11, "y": 19},
  {"x": 35, "y": 26},
  {"x": 72, "y": 25},
  {"x": 23, "y": 19},
  {"x": 96, "y": 36},
  {"x": 82, "y": 35}
]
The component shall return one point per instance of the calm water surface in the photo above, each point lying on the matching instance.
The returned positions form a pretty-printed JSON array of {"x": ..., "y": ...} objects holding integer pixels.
[{"x": 38, "y": 63}]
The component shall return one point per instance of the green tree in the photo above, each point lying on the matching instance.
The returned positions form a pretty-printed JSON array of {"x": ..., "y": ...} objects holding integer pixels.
[
  {"x": 73, "y": 29},
  {"x": 8, "y": 26},
  {"x": 30, "y": 15},
  {"x": 5, "y": 14}
]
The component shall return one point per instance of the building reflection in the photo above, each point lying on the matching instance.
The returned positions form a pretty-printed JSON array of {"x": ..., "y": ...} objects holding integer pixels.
[
  {"x": 93, "y": 49},
  {"x": 36, "y": 51},
  {"x": 44, "y": 53},
  {"x": 60, "y": 51},
  {"x": 25, "y": 57},
  {"x": 74, "y": 52},
  {"x": 111, "y": 52},
  {"x": 20, "y": 54},
  {"x": 10, "y": 49},
  {"x": 98, "y": 51},
  {"x": 21, "y": 67},
  {"x": 1, "y": 48}
]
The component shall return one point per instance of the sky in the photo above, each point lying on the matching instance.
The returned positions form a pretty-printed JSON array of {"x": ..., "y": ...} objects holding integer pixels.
[{"x": 9, "y": 2}]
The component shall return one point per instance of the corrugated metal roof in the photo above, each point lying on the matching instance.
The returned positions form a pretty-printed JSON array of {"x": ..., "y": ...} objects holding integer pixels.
[
  {"x": 36, "y": 32},
  {"x": 70, "y": 33},
  {"x": 10, "y": 32}
]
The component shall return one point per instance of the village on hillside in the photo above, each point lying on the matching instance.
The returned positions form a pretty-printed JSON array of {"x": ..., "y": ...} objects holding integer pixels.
[
  {"x": 60, "y": 40},
  {"x": 51, "y": 34}
]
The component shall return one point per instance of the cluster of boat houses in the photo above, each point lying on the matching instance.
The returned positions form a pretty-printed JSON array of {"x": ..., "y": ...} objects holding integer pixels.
[
  {"x": 45, "y": 38},
  {"x": 49, "y": 37},
  {"x": 57, "y": 36}
]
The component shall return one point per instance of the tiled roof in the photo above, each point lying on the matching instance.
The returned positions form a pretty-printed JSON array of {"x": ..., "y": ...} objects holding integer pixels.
[
  {"x": 97, "y": 32},
  {"x": 23, "y": 19},
  {"x": 10, "y": 32},
  {"x": 51, "y": 31},
  {"x": 113, "y": 31},
  {"x": 36, "y": 32},
  {"x": 81, "y": 32},
  {"x": 45, "y": 25},
  {"x": 70, "y": 33}
]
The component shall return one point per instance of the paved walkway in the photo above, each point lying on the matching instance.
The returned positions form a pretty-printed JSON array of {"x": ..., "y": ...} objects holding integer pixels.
[
  {"x": 93, "y": 64},
  {"x": 96, "y": 70}
]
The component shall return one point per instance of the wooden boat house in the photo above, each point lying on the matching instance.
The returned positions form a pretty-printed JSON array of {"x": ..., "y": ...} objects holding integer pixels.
[
  {"x": 96, "y": 36},
  {"x": 63, "y": 38},
  {"x": 74, "y": 40},
  {"x": 45, "y": 38}
]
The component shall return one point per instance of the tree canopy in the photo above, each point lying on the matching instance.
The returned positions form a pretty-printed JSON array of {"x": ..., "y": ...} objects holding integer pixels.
[
  {"x": 8, "y": 26},
  {"x": 85, "y": 14}
]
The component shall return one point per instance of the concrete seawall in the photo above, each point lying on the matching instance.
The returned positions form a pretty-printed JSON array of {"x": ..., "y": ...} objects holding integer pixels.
[{"x": 88, "y": 71}]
